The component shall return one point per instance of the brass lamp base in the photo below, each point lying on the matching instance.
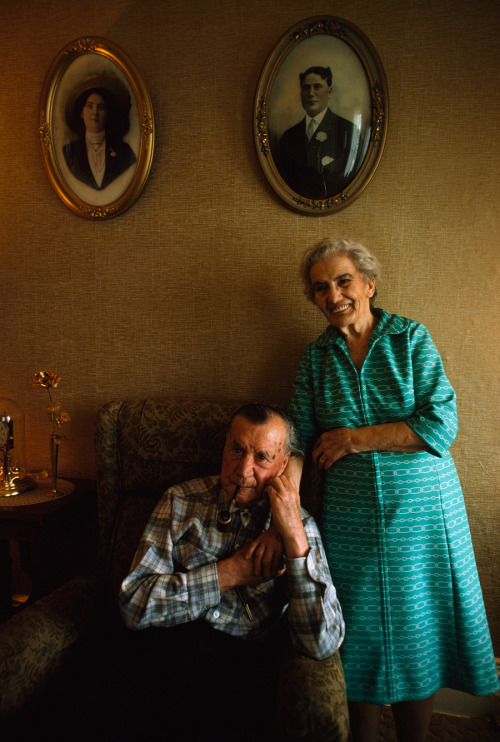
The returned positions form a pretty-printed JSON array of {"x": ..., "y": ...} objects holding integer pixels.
[{"x": 17, "y": 486}]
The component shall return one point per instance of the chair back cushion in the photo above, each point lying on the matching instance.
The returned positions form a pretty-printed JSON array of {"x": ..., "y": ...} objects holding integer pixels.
[{"x": 142, "y": 448}]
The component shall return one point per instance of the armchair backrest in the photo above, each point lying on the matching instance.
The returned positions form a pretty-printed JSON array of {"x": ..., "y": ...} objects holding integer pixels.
[{"x": 144, "y": 447}]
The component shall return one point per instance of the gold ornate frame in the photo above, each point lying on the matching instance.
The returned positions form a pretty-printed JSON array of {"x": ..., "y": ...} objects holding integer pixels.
[
  {"x": 84, "y": 57},
  {"x": 358, "y": 80}
]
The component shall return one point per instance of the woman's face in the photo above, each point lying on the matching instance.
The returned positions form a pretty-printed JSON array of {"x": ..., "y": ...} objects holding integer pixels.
[
  {"x": 340, "y": 292},
  {"x": 94, "y": 113}
]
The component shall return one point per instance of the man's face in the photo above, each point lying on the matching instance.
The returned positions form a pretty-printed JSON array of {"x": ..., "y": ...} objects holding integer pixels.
[
  {"x": 314, "y": 94},
  {"x": 253, "y": 454}
]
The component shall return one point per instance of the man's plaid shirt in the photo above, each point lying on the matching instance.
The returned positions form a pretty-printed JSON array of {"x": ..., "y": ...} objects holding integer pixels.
[{"x": 173, "y": 578}]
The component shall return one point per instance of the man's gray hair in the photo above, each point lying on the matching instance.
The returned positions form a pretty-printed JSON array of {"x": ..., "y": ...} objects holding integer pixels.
[
  {"x": 260, "y": 414},
  {"x": 366, "y": 264}
]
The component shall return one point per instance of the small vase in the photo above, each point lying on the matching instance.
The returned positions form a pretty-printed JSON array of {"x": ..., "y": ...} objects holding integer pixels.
[{"x": 54, "y": 452}]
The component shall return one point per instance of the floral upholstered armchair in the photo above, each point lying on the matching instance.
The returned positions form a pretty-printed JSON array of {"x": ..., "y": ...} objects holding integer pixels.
[{"x": 60, "y": 659}]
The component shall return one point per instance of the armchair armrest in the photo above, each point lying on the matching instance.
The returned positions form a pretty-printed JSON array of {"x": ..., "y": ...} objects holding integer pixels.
[
  {"x": 108, "y": 462},
  {"x": 311, "y": 704},
  {"x": 35, "y": 643}
]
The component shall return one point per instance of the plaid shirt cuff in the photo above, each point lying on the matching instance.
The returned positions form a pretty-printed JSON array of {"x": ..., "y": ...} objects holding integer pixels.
[{"x": 202, "y": 586}]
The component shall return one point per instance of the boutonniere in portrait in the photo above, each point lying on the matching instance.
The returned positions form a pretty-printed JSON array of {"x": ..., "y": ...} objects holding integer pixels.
[
  {"x": 112, "y": 153},
  {"x": 321, "y": 136}
]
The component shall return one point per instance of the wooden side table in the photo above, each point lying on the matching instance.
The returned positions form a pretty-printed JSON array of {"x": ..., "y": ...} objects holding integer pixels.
[{"x": 57, "y": 536}]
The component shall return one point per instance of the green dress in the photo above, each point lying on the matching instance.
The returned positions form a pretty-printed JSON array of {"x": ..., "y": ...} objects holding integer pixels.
[{"x": 394, "y": 524}]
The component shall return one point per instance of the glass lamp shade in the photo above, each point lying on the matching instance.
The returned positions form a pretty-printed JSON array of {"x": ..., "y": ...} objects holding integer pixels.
[{"x": 13, "y": 477}]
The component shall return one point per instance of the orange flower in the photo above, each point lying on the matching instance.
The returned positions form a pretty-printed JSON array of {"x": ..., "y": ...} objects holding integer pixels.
[{"x": 46, "y": 379}]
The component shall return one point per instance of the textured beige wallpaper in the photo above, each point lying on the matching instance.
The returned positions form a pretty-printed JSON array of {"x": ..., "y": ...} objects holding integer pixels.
[{"x": 194, "y": 290}]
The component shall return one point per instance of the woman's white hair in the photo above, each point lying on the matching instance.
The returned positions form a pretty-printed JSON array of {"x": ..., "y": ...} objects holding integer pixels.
[{"x": 366, "y": 264}]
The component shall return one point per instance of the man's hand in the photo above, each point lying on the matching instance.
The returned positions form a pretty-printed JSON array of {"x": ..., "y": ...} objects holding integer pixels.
[
  {"x": 262, "y": 560},
  {"x": 238, "y": 570},
  {"x": 267, "y": 553},
  {"x": 285, "y": 504}
]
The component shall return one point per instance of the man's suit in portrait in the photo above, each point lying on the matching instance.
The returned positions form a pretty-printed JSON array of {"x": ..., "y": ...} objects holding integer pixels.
[{"x": 322, "y": 167}]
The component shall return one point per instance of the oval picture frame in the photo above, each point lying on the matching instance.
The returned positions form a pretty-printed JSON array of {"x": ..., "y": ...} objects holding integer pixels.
[
  {"x": 334, "y": 168},
  {"x": 118, "y": 175}
]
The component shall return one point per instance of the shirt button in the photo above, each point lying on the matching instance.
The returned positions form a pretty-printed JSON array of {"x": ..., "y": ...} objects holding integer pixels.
[{"x": 216, "y": 614}]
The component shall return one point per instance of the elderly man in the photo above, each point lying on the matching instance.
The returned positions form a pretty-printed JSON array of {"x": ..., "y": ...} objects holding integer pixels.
[
  {"x": 321, "y": 154},
  {"x": 210, "y": 584}
]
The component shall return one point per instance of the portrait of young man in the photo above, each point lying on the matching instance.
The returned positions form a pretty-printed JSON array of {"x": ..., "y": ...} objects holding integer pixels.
[{"x": 321, "y": 154}]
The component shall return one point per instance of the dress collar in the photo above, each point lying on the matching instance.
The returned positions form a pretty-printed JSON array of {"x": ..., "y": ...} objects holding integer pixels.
[
  {"x": 96, "y": 138},
  {"x": 388, "y": 324}
]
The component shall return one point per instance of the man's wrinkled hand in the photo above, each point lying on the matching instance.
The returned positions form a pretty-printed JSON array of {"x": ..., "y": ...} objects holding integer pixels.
[
  {"x": 238, "y": 570},
  {"x": 285, "y": 505},
  {"x": 266, "y": 553}
]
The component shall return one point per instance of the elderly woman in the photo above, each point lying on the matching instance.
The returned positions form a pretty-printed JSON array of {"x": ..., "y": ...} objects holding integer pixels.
[{"x": 377, "y": 414}]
